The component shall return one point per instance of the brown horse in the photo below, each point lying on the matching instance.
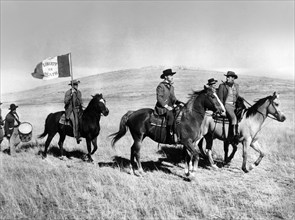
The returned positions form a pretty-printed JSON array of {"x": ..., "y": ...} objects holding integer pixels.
[
  {"x": 250, "y": 125},
  {"x": 188, "y": 128},
  {"x": 88, "y": 125}
]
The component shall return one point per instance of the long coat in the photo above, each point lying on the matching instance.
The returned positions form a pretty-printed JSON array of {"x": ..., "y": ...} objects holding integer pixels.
[
  {"x": 70, "y": 99},
  {"x": 11, "y": 121},
  {"x": 222, "y": 91},
  {"x": 165, "y": 96}
]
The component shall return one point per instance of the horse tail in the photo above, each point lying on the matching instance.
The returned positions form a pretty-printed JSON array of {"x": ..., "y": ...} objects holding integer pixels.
[
  {"x": 46, "y": 127},
  {"x": 123, "y": 128}
]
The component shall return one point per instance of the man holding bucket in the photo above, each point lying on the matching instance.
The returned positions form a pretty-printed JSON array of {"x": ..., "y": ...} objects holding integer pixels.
[{"x": 11, "y": 128}]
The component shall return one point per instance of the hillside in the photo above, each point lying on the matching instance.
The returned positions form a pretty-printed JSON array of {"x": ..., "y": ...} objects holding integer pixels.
[{"x": 36, "y": 188}]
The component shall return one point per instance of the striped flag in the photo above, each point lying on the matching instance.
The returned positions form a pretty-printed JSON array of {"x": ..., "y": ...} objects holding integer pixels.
[{"x": 53, "y": 67}]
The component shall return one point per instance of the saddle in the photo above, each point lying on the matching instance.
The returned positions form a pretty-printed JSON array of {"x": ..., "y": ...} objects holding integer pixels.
[
  {"x": 239, "y": 111},
  {"x": 63, "y": 120}
]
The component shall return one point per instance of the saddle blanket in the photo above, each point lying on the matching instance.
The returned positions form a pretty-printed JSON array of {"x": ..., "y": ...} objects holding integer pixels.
[
  {"x": 158, "y": 120},
  {"x": 63, "y": 121}
]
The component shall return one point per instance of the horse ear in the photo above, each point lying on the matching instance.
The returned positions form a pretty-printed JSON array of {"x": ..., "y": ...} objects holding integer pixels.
[
  {"x": 92, "y": 96},
  {"x": 275, "y": 95}
]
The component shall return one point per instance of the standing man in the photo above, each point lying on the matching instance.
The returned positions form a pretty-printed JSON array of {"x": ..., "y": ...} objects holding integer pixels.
[
  {"x": 11, "y": 128},
  {"x": 166, "y": 100},
  {"x": 73, "y": 105},
  {"x": 228, "y": 93},
  {"x": 1, "y": 124}
]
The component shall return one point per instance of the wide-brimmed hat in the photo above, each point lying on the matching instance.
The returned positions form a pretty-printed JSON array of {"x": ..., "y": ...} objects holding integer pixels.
[
  {"x": 231, "y": 73},
  {"x": 13, "y": 107},
  {"x": 167, "y": 72},
  {"x": 74, "y": 82},
  {"x": 211, "y": 81}
]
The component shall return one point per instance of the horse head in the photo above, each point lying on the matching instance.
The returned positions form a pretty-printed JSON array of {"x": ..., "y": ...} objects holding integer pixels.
[
  {"x": 212, "y": 102},
  {"x": 100, "y": 104},
  {"x": 273, "y": 108}
]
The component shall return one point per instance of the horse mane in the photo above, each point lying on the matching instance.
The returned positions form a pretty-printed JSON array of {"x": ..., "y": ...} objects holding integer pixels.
[
  {"x": 192, "y": 97},
  {"x": 254, "y": 108}
]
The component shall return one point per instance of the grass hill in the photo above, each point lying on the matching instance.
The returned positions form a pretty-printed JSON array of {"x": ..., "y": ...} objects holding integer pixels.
[{"x": 34, "y": 188}]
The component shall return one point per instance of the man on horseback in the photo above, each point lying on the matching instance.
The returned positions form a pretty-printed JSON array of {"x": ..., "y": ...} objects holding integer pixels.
[
  {"x": 228, "y": 93},
  {"x": 212, "y": 84},
  {"x": 73, "y": 105},
  {"x": 166, "y": 100}
]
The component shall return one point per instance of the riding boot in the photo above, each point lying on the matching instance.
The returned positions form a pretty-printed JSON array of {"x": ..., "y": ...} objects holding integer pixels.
[{"x": 169, "y": 136}]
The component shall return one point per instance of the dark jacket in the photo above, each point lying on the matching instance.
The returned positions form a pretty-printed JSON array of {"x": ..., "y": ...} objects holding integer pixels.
[
  {"x": 222, "y": 91},
  {"x": 165, "y": 95},
  {"x": 70, "y": 99},
  {"x": 10, "y": 123}
]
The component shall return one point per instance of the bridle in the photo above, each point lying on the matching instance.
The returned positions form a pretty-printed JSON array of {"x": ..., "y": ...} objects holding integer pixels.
[{"x": 271, "y": 102}]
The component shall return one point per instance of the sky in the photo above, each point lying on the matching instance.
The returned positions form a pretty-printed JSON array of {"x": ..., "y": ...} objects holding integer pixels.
[{"x": 248, "y": 37}]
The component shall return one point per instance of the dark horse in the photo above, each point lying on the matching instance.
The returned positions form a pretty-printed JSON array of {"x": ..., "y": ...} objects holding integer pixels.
[
  {"x": 88, "y": 125},
  {"x": 188, "y": 128}
]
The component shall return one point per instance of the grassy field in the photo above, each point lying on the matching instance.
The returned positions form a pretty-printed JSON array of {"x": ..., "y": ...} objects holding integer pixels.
[{"x": 36, "y": 188}]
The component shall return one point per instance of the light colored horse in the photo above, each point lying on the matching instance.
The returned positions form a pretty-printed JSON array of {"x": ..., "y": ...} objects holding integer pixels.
[{"x": 249, "y": 126}]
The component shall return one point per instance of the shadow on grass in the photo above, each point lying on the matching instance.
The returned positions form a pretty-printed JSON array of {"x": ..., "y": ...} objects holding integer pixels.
[
  {"x": 55, "y": 151},
  {"x": 172, "y": 157}
]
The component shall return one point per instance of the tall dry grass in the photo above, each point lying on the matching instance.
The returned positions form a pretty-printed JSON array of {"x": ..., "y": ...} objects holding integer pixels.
[{"x": 33, "y": 188}]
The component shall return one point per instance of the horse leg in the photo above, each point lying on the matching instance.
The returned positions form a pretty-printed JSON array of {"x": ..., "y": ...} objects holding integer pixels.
[
  {"x": 225, "y": 148},
  {"x": 88, "y": 143},
  {"x": 62, "y": 138},
  {"x": 191, "y": 159},
  {"x": 187, "y": 162},
  {"x": 209, "y": 144},
  {"x": 135, "y": 154},
  {"x": 94, "y": 143},
  {"x": 47, "y": 142},
  {"x": 246, "y": 144},
  {"x": 256, "y": 146},
  {"x": 232, "y": 153}
]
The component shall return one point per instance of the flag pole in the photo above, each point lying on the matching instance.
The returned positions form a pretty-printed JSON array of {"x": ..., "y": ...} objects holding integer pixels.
[{"x": 70, "y": 61}]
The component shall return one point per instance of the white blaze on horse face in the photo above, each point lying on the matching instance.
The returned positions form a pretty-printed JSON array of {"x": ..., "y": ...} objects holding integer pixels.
[
  {"x": 222, "y": 106},
  {"x": 102, "y": 101}
]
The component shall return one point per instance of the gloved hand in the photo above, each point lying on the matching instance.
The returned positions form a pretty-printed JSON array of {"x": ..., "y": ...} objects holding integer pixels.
[{"x": 169, "y": 108}]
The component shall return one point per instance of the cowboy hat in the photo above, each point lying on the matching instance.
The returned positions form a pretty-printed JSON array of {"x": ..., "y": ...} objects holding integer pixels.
[
  {"x": 167, "y": 72},
  {"x": 232, "y": 74},
  {"x": 211, "y": 81},
  {"x": 74, "y": 82},
  {"x": 13, "y": 107}
]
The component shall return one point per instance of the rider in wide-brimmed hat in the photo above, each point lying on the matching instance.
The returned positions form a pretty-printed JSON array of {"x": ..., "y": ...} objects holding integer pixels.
[
  {"x": 73, "y": 105},
  {"x": 166, "y": 100},
  {"x": 228, "y": 93}
]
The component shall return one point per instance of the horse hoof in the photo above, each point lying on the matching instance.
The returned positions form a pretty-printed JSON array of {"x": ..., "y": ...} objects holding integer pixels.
[
  {"x": 245, "y": 170},
  {"x": 214, "y": 167},
  {"x": 62, "y": 158},
  {"x": 252, "y": 166}
]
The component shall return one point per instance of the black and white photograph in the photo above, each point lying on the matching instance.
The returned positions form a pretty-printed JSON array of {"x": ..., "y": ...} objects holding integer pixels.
[{"x": 173, "y": 110}]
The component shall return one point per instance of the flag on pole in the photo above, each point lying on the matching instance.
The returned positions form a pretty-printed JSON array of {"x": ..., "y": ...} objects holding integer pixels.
[{"x": 53, "y": 67}]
